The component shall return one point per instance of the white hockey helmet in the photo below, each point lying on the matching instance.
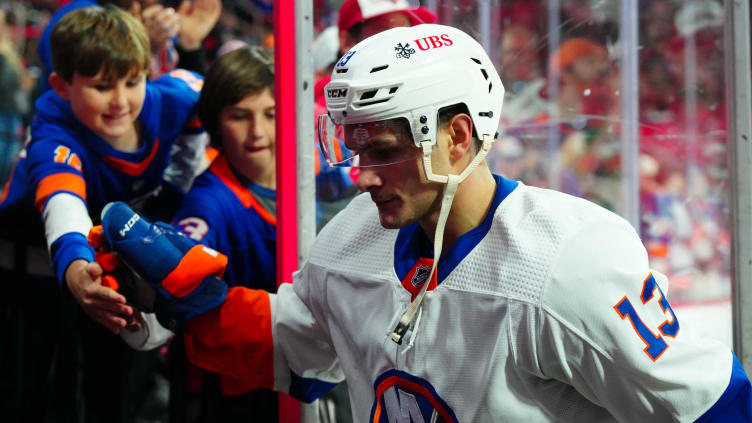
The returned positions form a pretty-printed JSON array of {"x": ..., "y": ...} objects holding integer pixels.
[{"x": 412, "y": 73}]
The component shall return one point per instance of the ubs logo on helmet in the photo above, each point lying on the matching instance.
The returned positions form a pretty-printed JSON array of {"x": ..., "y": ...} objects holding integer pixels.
[
  {"x": 402, "y": 397},
  {"x": 434, "y": 41}
]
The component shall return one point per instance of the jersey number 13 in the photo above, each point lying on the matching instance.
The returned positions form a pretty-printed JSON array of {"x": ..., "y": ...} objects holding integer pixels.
[{"x": 655, "y": 344}]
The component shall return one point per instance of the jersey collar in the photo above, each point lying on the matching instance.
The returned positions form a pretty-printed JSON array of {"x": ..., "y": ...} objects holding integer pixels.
[{"x": 412, "y": 244}]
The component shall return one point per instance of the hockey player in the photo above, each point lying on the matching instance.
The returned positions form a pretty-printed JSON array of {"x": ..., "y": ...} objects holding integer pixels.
[{"x": 445, "y": 293}]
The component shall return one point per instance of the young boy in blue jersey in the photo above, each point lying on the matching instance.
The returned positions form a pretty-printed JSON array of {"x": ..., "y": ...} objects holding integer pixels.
[
  {"x": 102, "y": 133},
  {"x": 231, "y": 206}
]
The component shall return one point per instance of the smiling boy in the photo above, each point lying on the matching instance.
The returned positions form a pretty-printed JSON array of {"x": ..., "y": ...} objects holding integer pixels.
[{"x": 102, "y": 133}]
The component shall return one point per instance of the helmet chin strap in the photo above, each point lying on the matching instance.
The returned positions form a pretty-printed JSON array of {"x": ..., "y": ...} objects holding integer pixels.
[{"x": 451, "y": 181}]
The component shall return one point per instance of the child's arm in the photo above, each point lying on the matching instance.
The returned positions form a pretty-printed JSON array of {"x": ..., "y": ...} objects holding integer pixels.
[
  {"x": 187, "y": 159},
  {"x": 59, "y": 190},
  {"x": 179, "y": 91}
]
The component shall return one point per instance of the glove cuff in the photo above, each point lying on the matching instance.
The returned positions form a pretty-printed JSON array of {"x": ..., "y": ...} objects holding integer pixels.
[{"x": 173, "y": 313}]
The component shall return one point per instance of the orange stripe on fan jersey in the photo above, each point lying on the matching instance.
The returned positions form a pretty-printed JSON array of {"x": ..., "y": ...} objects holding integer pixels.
[
  {"x": 221, "y": 168},
  {"x": 59, "y": 182},
  {"x": 211, "y": 154},
  {"x": 132, "y": 169},
  {"x": 194, "y": 123}
]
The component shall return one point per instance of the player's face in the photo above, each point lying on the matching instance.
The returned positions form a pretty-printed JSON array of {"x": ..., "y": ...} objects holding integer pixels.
[
  {"x": 247, "y": 129},
  {"x": 108, "y": 107},
  {"x": 401, "y": 191}
]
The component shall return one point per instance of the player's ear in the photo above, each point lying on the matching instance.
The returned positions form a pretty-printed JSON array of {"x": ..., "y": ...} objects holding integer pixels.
[
  {"x": 59, "y": 85},
  {"x": 460, "y": 129}
]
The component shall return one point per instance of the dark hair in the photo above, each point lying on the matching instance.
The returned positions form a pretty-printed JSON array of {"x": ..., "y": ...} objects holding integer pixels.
[
  {"x": 356, "y": 31},
  {"x": 94, "y": 39},
  {"x": 232, "y": 77},
  {"x": 448, "y": 112}
]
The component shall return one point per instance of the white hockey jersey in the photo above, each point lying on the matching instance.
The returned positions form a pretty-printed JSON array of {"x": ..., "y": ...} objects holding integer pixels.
[{"x": 546, "y": 312}]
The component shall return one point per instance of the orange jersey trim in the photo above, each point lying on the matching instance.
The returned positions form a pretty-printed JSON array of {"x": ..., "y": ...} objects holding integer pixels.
[
  {"x": 6, "y": 188},
  {"x": 133, "y": 169},
  {"x": 59, "y": 182},
  {"x": 423, "y": 264},
  {"x": 194, "y": 123},
  {"x": 235, "y": 339},
  {"x": 221, "y": 168},
  {"x": 211, "y": 154},
  {"x": 195, "y": 265},
  {"x": 316, "y": 163}
]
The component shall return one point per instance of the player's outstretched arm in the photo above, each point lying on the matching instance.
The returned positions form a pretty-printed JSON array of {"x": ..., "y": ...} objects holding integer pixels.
[{"x": 243, "y": 333}]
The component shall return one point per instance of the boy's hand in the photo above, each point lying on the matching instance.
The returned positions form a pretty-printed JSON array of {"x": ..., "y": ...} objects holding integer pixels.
[
  {"x": 104, "y": 305},
  {"x": 197, "y": 17}
]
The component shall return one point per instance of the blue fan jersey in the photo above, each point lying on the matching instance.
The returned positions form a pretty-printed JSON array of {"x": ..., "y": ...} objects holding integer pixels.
[
  {"x": 70, "y": 173},
  {"x": 222, "y": 213}
]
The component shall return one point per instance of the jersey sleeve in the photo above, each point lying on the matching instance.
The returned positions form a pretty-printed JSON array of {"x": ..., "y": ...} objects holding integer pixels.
[
  {"x": 59, "y": 191},
  {"x": 179, "y": 91},
  {"x": 608, "y": 330},
  {"x": 187, "y": 159},
  {"x": 269, "y": 341},
  {"x": 149, "y": 335}
]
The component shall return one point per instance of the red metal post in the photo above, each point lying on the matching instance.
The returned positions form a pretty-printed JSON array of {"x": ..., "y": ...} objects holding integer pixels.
[{"x": 285, "y": 97}]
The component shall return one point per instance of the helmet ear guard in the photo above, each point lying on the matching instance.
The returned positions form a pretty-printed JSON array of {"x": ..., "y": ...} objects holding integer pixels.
[{"x": 424, "y": 124}]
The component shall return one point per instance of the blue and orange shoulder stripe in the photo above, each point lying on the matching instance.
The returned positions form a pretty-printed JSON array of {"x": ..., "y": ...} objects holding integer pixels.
[{"x": 55, "y": 168}]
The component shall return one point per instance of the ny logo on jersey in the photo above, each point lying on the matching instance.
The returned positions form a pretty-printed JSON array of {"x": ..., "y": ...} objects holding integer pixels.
[{"x": 404, "y": 398}]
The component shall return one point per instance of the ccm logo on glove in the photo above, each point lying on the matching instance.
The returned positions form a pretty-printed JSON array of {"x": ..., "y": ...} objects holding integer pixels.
[{"x": 129, "y": 224}]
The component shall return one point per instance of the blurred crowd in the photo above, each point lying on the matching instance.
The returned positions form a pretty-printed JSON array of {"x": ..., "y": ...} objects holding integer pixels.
[
  {"x": 562, "y": 122},
  {"x": 561, "y": 119}
]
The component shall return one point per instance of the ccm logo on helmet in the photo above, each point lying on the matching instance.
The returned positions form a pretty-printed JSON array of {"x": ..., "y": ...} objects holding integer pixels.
[
  {"x": 402, "y": 397},
  {"x": 336, "y": 92},
  {"x": 433, "y": 41}
]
